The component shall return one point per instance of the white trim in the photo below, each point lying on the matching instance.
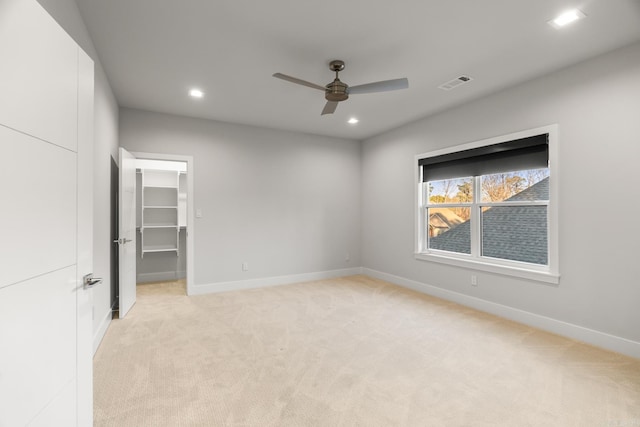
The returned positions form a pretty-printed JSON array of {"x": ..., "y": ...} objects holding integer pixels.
[
  {"x": 489, "y": 141},
  {"x": 475, "y": 226},
  {"x": 238, "y": 285},
  {"x": 549, "y": 273},
  {"x": 190, "y": 210},
  {"x": 569, "y": 330},
  {"x": 553, "y": 217},
  {"x": 102, "y": 330},
  {"x": 484, "y": 265},
  {"x": 419, "y": 227}
]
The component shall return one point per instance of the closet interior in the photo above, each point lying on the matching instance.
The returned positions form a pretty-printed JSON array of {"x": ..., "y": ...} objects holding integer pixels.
[{"x": 161, "y": 220}]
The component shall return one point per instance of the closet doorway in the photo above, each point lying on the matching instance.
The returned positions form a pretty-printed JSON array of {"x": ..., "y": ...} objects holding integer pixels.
[{"x": 164, "y": 224}]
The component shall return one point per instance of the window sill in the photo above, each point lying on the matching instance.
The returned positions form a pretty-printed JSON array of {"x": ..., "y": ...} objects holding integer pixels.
[{"x": 523, "y": 273}]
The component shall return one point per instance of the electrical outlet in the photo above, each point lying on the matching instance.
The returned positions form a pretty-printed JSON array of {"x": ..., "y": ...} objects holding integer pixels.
[
  {"x": 245, "y": 266},
  {"x": 198, "y": 213},
  {"x": 347, "y": 257},
  {"x": 474, "y": 280}
]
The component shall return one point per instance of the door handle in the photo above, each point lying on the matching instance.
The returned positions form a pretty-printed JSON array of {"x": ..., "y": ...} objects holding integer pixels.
[
  {"x": 122, "y": 241},
  {"x": 88, "y": 280}
]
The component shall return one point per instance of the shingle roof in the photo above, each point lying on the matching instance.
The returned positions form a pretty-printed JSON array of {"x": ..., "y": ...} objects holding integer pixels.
[{"x": 516, "y": 233}]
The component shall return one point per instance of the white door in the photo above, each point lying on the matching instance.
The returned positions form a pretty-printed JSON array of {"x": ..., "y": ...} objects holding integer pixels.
[
  {"x": 127, "y": 232},
  {"x": 46, "y": 114}
]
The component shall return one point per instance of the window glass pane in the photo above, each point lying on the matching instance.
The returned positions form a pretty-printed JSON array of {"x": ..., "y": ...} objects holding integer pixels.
[
  {"x": 517, "y": 233},
  {"x": 457, "y": 190},
  {"x": 524, "y": 185},
  {"x": 449, "y": 230}
]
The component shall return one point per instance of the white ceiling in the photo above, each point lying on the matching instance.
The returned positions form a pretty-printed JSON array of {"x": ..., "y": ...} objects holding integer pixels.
[{"x": 153, "y": 51}]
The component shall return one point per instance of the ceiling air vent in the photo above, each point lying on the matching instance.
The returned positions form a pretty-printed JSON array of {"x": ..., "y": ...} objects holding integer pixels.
[{"x": 455, "y": 82}]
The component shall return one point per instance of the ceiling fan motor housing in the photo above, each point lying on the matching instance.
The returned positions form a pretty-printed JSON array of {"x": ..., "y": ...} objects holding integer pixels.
[{"x": 336, "y": 91}]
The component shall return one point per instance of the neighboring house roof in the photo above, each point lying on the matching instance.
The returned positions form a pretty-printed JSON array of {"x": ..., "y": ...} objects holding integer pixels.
[
  {"x": 516, "y": 233},
  {"x": 444, "y": 218}
]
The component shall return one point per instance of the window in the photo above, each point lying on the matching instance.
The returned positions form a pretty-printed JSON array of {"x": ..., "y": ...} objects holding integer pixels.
[{"x": 490, "y": 205}]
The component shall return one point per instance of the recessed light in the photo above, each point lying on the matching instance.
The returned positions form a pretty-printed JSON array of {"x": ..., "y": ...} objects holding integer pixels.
[
  {"x": 566, "y": 18},
  {"x": 196, "y": 93},
  {"x": 353, "y": 121}
]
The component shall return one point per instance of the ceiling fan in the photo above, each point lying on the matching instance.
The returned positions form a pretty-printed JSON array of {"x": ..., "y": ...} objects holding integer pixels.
[{"x": 337, "y": 91}]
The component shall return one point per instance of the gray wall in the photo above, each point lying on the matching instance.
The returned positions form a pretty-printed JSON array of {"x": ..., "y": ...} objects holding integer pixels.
[
  {"x": 597, "y": 107},
  {"x": 286, "y": 203},
  {"x": 66, "y": 13}
]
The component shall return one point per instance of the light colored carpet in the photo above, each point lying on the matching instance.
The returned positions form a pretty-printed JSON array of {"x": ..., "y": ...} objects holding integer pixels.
[{"x": 348, "y": 352}]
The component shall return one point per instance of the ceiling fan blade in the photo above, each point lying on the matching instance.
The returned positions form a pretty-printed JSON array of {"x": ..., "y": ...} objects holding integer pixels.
[
  {"x": 298, "y": 81},
  {"x": 329, "y": 107},
  {"x": 382, "y": 86}
]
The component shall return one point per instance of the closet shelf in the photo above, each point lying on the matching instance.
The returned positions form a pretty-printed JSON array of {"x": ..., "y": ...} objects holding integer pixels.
[
  {"x": 160, "y": 230},
  {"x": 159, "y": 248}
]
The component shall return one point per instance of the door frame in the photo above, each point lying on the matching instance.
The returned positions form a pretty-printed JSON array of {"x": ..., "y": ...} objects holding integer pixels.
[{"x": 190, "y": 210}]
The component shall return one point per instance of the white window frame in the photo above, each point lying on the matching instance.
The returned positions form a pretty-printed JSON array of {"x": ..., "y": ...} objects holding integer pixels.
[{"x": 548, "y": 274}]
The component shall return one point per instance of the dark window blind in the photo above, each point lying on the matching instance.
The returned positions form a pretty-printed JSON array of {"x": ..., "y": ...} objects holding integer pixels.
[{"x": 520, "y": 154}]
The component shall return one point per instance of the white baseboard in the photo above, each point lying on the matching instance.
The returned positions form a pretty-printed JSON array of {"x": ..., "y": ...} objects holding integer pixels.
[
  {"x": 271, "y": 281},
  {"x": 569, "y": 330},
  {"x": 102, "y": 329},
  {"x": 160, "y": 276}
]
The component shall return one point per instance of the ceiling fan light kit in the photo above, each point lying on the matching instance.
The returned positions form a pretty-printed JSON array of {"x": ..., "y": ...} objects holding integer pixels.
[{"x": 337, "y": 91}]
